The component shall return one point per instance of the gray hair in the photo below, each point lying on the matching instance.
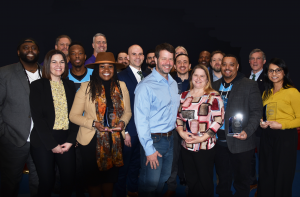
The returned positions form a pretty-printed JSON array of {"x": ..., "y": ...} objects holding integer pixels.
[
  {"x": 257, "y": 51},
  {"x": 182, "y": 48},
  {"x": 98, "y": 34}
]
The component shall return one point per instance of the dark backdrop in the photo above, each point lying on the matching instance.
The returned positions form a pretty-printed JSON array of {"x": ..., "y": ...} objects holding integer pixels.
[{"x": 234, "y": 27}]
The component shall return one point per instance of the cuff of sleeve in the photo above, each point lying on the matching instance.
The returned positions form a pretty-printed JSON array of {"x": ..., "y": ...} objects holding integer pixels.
[
  {"x": 283, "y": 126},
  {"x": 126, "y": 132},
  {"x": 150, "y": 150}
]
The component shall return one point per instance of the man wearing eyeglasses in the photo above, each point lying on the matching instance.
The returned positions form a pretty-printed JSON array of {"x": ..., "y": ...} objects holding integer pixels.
[
  {"x": 257, "y": 59},
  {"x": 99, "y": 44}
]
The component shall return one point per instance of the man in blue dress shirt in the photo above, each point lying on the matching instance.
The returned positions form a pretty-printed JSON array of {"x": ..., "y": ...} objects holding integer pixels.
[{"x": 155, "y": 111}]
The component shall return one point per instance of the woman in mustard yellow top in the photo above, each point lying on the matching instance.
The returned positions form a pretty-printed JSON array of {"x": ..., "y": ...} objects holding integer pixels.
[{"x": 278, "y": 145}]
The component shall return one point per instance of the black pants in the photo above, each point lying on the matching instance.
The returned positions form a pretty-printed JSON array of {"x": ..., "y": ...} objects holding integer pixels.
[
  {"x": 198, "y": 168},
  {"x": 253, "y": 177},
  {"x": 12, "y": 161},
  {"x": 278, "y": 157},
  {"x": 45, "y": 163},
  {"x": 228, "y": 164}
]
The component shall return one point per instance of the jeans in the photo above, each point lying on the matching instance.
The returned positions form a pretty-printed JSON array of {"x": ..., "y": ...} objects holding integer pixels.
[{"x": 151, "y": 181}]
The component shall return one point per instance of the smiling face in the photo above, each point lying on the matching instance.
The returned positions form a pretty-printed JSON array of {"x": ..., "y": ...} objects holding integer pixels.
[
  {"x": 257, "y": 62},
  {"x": 164, "y": 63},
  {"x": 182, "y": 64},
  {"x": 216, "y": 61},
  {"x": 122, "y": 59},
  {"x": 106, "y": 71},
  {"x": 63, "y": 45},
  {"x": 77, "y": 56},
  {"x": 135, "y": 56},
  {"x": 57, "y": 67},
  {"x": 204, "y": 58},
  {"x": 28, "y": 52},
  {"x": 199, "y": 79},
  {"x": 275, "y": 74},
  {"x": 100, "y": 44},
  {"x": 229, "y": 68}
]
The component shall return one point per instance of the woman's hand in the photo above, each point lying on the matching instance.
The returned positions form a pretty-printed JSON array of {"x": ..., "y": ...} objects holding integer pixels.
[
  {"x": 66, "y": 146},
  {"x": 102, "y": 128},
  {"x": 274, "y": 125},
  {"x": 57, "y": 149},
  {"x": 263, "y": 124},
  {"x": 192, "y": 139},
  {"x": 120, "y": 127}
]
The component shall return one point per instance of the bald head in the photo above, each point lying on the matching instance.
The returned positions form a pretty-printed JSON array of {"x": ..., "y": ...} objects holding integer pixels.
[
  {"x": 135, "y": 56},
  {"x": 204, "y": 58}
]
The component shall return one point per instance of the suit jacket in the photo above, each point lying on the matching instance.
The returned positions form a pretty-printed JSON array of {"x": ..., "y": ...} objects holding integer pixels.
[
  {"x": 244, "y": 98},
  {"x": 15, "y": 115},
  {"x": 43, "y": 113},
  {"x": 83, "y": 103},
  {"x": 260, "y": 82},
  {"x": 128, "y": 77}
]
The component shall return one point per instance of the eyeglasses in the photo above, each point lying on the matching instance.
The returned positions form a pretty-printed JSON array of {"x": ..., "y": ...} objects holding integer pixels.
[{"x": 277, "y": 71}]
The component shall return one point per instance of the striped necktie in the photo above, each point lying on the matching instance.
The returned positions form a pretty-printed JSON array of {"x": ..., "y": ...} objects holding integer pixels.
[
  {"x": 141, "y": 75},
  {"x": 253, "y": 77}
]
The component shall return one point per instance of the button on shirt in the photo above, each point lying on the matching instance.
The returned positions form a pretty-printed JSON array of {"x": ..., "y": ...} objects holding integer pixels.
[
  {"x": 137, "y": 76},
  {"x": 155, "y": 108},
  {"x": 256, "y": 74}
]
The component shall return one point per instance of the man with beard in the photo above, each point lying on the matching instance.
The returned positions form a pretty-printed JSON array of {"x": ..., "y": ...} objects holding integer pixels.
[
  {"x": 150, "y": 62},
  {"x": 204, "y": 59},
  {"x": 62, "y": 44},
  {"x": 181, "y": 76},
  {"x": 128, "y": 174},
  {"x": 242, "y": 100},
  {"x": 155, "y": 110},
  {"x": 99, "y": 44},
  {"x": 215, "y": 63},
  {"x": 78, "y": 73},
  {"x": 15, "y": 119},
  {"x": 122, "y": 58}
]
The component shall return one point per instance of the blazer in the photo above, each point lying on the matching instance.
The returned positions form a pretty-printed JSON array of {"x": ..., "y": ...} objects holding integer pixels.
[
  {"x": 15, "y": 115},
  {"x": 244, "y": 98},
  {"x": 129, "y": 79},
  {"x": 83, "y": 104},
  {"x": 43, "y": 113},
  {"x": 260, "y": 82}
]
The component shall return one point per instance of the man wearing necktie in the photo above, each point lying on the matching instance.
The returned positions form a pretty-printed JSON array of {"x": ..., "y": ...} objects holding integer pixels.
[
  {"x": 128, "y": 174},
  {"x": 257, "y": 59}
]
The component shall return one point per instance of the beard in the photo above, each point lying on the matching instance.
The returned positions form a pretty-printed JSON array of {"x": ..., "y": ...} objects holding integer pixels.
[
  {"x": 217, "y": 69},
  {"x": 151, "y": 65},
  {"x": 23, "y": 57}
]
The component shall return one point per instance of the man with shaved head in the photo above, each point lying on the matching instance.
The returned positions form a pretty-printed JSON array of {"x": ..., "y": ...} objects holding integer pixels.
[{"x": 128, "y": 174}]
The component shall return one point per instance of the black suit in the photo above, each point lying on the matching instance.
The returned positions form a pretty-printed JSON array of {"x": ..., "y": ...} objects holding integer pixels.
[{"x": 43, "y": 138}]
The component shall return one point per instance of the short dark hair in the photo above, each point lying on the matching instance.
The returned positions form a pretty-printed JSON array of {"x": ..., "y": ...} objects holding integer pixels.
[
  {"x": 164, "y": 46},
  {"x": 231, "y": 55},
  {"x": 76, "y": 43},
  {"x": 182, "y": 55},
  {"x": 216, "y": 52},
  {"x": 46, "y": 68},
  {"x": 123, "y": 51},
  {"x": 62, "y": 36},
  {"x": 150, "y": 51}
]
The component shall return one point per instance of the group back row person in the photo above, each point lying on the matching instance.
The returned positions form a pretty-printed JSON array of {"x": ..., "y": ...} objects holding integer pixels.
[{"x": 153, "y": 122}]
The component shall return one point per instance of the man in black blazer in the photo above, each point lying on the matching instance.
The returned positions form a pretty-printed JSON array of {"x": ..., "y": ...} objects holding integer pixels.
[
  {"x": 257, "y": 59},
  {"x": 15, "y": 119},
  {"x": 132, "y": 75},
  {"x": 234, "y": 153}
]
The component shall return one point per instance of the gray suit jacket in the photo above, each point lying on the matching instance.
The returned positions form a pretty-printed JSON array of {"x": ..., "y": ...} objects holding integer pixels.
[
  {"x": 15, "y": 116},
  {"x": 244, "y": 98}
]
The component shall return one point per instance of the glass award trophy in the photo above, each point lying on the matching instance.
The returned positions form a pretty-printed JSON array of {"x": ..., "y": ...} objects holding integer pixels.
[
  {"x": 108, "y": 117},
  {"x": 269, "y": 112},
  {"x": 235, "y": 125}
]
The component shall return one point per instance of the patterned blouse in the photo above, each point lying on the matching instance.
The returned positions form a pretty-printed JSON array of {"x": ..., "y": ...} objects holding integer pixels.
[
  {"x": 60, "y": 106},
  {"x": 200, "y": 115}
]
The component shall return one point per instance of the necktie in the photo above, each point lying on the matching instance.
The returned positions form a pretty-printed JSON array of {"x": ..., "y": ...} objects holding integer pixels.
[
  {"x": 141, "y": 75},
  {"x": 253, "y": 77}
]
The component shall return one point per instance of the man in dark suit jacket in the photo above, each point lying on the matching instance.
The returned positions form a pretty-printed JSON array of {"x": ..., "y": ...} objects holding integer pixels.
[
  {"x": 257, "y": 59},
  {"x": 132, "y": 75},
  {"x": 15, "y": 119},
  {"x": 234, "y": 153}
]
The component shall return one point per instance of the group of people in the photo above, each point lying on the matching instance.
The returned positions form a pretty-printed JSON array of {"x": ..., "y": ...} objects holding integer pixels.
[{"x": 113, "y": 124}]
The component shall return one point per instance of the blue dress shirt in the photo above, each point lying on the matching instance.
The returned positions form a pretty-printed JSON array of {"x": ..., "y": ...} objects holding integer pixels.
[{"x": 155, "y": 108}]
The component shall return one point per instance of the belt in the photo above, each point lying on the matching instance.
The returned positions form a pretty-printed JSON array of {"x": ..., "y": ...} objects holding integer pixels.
[{"x": 164, "y": 134}]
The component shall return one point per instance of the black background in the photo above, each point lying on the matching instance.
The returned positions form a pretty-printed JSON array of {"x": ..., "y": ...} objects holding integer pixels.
[{"x": 234, "y": 27}]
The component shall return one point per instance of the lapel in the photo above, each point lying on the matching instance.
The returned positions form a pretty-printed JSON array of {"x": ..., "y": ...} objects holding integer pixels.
[
  {"x": 22, "y": 77},
  {"x": 90, "y": 107},
  {"x": 131, "y": 76},
  {"x": 68, "y": 94}
]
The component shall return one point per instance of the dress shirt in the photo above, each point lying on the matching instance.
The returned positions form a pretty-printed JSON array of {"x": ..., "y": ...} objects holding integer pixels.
[
  {"x": 155, "y": 108},
  {"x": 91, "y": 60},
  {"x": 137, "y": 76},
  {"x": 256, "y": 74},
  {"x": 215, "y": 78}
]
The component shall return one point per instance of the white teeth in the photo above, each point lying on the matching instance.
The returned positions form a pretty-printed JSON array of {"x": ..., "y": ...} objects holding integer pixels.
[
  {"x": 30, "y": 55},
  {"x": 106, "y": 74}
]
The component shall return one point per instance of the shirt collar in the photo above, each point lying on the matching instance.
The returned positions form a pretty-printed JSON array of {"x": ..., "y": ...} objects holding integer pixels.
[
  {"x": 159, "y": 77},
  {"x": 134, "y": 70},
  {"x": 257, "y": 74}
]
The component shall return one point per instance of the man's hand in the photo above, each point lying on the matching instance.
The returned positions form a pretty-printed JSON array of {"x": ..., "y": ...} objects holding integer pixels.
[
  {"x": 241, "y": 136},
  {"x": 127, "y": 140},
  {"x": 153, "y": 160}
]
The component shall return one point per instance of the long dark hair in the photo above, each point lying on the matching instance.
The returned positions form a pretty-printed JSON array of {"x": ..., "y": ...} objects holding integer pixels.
[
  {"x": 287, "y": 82},
  {"x": 95, "y": 83}
]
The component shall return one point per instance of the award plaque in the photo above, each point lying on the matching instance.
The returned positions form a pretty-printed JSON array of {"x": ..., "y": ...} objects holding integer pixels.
[{"x": 235, "y": 125}]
